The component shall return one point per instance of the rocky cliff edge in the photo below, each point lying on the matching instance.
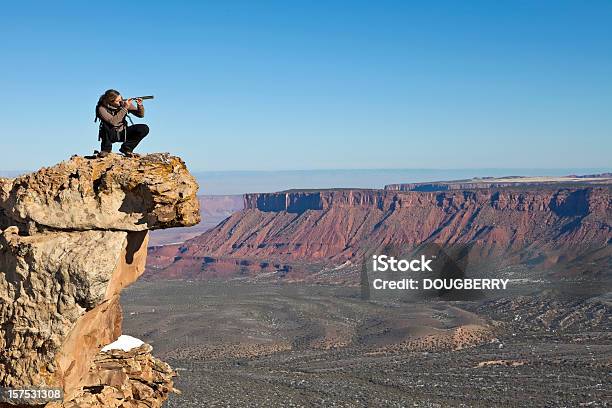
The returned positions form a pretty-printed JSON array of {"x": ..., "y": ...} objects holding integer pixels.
[{"x": 73, "y": 235}]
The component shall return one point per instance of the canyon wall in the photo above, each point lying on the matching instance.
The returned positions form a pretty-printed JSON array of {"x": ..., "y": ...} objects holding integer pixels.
[
  {"x": 73, "y": 236},
  {"x": 300, "y": 201},
  {"x": 541, "y": 226}
]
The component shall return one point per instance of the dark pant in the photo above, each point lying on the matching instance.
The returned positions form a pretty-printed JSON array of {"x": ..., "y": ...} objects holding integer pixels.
[{"x": 135, "y": 134}]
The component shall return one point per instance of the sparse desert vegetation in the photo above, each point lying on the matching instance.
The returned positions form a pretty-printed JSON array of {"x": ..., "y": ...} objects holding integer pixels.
[{"x": 243, "y": 344}]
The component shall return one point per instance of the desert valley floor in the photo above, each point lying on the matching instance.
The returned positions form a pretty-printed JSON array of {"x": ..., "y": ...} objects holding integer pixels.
[{"x": 245, "y": 344}]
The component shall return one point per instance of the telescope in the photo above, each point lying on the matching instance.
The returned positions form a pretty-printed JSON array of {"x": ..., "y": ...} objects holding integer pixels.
[{"x": 140, "y": 97}]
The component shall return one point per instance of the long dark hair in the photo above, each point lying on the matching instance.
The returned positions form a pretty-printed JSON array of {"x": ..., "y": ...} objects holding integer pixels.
[{"x": 105, "y": 99}]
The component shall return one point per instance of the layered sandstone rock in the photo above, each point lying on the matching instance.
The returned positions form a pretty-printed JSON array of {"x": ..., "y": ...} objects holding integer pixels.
[
  {"x": 543, "y": 226},
  {"x": 155, "y": 191},
  {"x": 118, "y": 378},
  {"x": 73, "y": 236}
]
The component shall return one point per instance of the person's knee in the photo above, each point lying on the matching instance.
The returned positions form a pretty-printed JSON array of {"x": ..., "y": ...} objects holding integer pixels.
[{"x": 144, "y": 130}]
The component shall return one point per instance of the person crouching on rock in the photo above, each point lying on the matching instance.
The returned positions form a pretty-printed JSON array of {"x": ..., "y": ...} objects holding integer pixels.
[{"x": 112, "y": 111}]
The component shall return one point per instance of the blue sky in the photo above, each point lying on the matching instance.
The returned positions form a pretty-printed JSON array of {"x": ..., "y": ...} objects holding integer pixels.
[{"x": 277, "y": 85}]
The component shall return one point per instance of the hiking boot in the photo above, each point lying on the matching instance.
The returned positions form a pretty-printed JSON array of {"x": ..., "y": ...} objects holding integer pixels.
[
  {"x": 128, "y": 153},
  {"x": 103, "y": 154}
]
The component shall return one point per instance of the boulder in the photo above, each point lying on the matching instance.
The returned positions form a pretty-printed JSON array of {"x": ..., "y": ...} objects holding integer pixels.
[{"x": 113, "y": 193}]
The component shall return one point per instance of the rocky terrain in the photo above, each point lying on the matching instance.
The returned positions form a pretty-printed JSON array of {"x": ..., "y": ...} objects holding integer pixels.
[
  {"x": 295, "y": 234},
  {"x": 272, "y": 300},
  {"x": 124, "y": 378},
  {"x": 74, "y": 235},
  {"x": 243, "y": 344},
  {"x": 273, "y": 332}
]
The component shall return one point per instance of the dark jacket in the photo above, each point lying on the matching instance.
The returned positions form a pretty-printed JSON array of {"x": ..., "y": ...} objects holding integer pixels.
[{"x": 113, "y": 120}]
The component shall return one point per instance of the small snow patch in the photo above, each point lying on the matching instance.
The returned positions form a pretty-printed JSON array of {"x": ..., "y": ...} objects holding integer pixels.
[{"x": 125, "y": 343}]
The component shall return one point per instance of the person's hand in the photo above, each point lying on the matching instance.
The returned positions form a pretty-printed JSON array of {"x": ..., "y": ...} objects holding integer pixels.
[
  {"x": 139, "y": 101},
  {"x": 127, "y": 103}
]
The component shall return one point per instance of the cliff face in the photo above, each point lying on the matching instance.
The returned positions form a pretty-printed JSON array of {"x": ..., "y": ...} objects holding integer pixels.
[
  {"x": 73, "y": 236},
  {"x": 299, "y": 201},
  {"x": 543, "y": 225}
]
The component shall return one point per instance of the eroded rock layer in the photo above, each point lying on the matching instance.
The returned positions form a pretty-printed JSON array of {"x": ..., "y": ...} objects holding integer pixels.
[
  {"x": 155, "y": 191},
  {"x": 544, "y": 226},
  {"x": 118, "y": 378},
  {"x": 73, "y": 236}
]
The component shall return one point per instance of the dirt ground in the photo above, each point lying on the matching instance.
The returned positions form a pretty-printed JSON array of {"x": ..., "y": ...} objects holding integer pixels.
[{"x": 244, "y": 344}]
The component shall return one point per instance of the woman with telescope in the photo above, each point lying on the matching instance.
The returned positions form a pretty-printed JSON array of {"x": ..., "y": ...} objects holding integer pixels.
[{"x": 112, "y": 111}]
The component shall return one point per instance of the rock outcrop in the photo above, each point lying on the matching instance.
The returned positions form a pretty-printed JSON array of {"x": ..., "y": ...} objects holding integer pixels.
[
  {"x": 80, "y": 194},
  {"x": 119, "y": 378},
  {"x": 73, "y": 236},
  {"x": 290, "y": 231}
]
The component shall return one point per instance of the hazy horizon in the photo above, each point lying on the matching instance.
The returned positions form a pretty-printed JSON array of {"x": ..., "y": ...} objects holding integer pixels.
[
  {"x": 240, "y": 182},
  {"x": 261, "y": 181}
]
